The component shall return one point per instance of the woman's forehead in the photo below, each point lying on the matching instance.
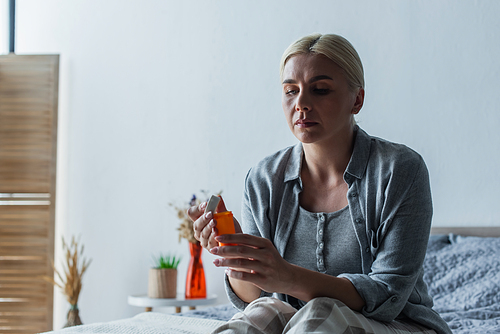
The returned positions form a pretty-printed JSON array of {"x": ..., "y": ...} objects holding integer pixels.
[{"x": 304, "y": 66}]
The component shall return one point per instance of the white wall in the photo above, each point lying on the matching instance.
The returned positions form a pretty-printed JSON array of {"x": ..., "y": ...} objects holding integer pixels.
[{"x": 159, "y": 99}]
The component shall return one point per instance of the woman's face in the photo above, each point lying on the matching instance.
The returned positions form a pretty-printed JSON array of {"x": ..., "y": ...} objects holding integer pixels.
[{"x": 317, "y": 100}]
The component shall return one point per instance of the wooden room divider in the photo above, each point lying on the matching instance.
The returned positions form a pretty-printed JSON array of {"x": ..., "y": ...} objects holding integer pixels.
[{"x": 28, "y": 140}]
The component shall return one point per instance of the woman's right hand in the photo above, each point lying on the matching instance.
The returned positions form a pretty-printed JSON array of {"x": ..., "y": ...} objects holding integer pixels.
[{"x": 205, "y": 227}]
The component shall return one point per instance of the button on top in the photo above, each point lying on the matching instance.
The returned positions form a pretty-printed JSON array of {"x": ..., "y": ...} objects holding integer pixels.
[
  {"x": 320, "y": 232},
  {"x": 321, "y": 218}
]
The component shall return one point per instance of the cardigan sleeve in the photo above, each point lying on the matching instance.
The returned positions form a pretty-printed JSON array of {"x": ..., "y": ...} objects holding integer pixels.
[{"x": 398, "y": 245}]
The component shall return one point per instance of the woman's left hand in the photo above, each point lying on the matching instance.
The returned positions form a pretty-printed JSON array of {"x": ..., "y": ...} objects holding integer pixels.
[{"x": 255, "y": 260}]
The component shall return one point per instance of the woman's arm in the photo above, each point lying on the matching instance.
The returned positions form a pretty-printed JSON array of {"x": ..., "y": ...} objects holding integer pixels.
[
  {"x": 325, "y": 286},
  {"x": 256, "y": 261},
  {"x": 246, "y": 291}
]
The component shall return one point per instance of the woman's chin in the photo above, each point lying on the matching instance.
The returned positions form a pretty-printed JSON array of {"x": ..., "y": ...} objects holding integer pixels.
[{"x": 306, "y": 138}]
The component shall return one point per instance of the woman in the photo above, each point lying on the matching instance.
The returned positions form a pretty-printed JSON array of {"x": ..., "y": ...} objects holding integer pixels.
[{"x": 337, "y": 225}]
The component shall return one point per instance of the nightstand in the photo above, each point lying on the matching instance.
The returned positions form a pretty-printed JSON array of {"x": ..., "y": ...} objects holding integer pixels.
[{"x": 149, "y": 303}]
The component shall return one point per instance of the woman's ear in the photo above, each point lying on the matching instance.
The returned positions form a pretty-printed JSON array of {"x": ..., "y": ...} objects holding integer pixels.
[{"x": 358, "y": 102}]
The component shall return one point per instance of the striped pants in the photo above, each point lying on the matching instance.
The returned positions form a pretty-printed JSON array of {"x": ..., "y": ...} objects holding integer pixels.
[{"x": 320, "y": 315}]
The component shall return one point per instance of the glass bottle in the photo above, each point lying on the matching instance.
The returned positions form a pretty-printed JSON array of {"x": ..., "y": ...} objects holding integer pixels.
[{"x": 195, "y": 279}]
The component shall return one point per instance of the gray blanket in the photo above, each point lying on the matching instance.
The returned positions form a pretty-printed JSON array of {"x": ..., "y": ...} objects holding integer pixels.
[{"x": 463, "y": 275}]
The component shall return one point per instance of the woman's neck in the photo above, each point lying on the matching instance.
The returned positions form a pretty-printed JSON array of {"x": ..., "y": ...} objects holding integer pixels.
[{"x": 327, "y": 161}]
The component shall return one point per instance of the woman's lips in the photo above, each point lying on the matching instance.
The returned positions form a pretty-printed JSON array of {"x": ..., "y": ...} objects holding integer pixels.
[{"x": 304, "y": 123}]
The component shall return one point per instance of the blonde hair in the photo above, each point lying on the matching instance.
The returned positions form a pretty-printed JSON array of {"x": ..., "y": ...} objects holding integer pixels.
[{"x": 334, "y": 47}]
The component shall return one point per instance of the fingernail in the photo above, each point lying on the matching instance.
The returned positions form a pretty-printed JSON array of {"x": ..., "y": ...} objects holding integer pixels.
[
  {"x": 214, "y": 250},
  {"x": 208, "y": 215},
  {"x": 217, "y": 262},
  {"x": 212, "y": 223},
  {"x": 228, "y": 272},
  {"x": 203, "y": 205}
]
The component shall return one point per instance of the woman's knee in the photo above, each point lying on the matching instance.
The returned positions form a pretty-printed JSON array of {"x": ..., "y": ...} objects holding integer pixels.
[
  {"x": 271, "y": 303},
  {"x": 263, "y": 315},
  {"x": 325, "y": 300}
]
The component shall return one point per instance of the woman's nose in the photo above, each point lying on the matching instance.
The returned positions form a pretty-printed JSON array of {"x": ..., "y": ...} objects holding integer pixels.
[{"x": 303, "y": 102}]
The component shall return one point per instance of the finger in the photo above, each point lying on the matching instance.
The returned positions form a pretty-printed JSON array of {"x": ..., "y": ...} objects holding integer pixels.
[
  {"x": 251, "y": 277},
  {"x": 239, "y": 251},
  {"x": 207, "y": 239},
  {"x": 256, "y": 279},
  {"x": 244, "y": 239},
  {"x": 212, "y": 242},
  {"x": 200, "y": 224},
  {"x": 204, "y": 243},
  {"x": 238, "y": 263},
  {"x": 207, "y": 230},
  {"x": 196, "y": 211}
]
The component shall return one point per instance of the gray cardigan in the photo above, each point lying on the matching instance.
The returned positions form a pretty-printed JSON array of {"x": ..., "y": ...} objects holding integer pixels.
[{"x": 391, "y": 209}]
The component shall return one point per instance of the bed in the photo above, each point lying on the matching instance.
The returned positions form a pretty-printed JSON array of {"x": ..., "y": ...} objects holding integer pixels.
[{"x": 462, "y": 270}]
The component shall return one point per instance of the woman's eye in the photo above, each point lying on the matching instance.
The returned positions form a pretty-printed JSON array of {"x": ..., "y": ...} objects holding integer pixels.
[
  {"x": 321, "y": 91},
  {"x": 290, "y": 91}
]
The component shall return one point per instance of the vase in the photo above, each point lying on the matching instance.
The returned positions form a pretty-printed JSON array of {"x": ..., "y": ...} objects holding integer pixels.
[
  {"x": 195, "y": 279},
  {"x": 162, "y": 283},
  {"x": 73, "y": 318}
]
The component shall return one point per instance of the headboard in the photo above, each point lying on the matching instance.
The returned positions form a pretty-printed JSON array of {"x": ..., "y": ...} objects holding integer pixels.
[{"x": 480, "y": 231}]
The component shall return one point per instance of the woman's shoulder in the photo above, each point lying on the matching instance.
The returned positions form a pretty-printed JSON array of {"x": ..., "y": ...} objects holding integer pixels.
[
  {"x": 382, "y": 151},
  {"x": 387, "y": 157},
  {"x": 392, "y": 151}
]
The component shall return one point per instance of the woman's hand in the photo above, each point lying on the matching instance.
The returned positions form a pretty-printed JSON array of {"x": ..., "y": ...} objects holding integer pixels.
[
  {"x": 255, "y": 263},
  {"x": 254, "y": 260},
  {"x": 205, "y": 227}
]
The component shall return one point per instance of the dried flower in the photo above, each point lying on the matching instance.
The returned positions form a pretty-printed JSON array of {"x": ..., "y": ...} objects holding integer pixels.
[{"x": 71, "y": 284}]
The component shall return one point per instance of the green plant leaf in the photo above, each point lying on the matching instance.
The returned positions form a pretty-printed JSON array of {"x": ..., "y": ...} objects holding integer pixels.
[{"x": 166, "y": 261}]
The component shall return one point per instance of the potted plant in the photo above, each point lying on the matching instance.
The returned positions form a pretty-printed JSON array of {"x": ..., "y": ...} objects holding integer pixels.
[{"x": 163, "y": 277}]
